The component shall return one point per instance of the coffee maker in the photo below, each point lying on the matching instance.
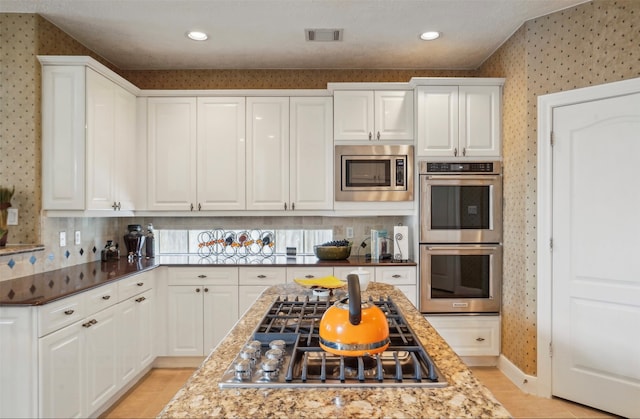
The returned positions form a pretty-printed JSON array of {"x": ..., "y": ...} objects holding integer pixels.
[{"x": 134, "y": 241}]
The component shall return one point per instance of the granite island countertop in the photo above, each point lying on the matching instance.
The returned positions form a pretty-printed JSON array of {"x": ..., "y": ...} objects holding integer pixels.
[{"x": 465, "y": 396}]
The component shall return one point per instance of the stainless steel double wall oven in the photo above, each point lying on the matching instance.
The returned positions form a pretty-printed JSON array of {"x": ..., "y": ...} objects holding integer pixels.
[{"x": 460, "y": 237}]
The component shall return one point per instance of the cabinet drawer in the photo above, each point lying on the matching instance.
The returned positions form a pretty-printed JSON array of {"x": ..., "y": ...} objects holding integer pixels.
[
  {"x": 400, "y": 275},
  {"x": 59, "y": 314},
  {"x": 470, "y": 335},
  {"x": 100, "y": 298},
  {"x": 201, "y": 276},
  {"x": 133, "y": 285},
  {"x": 308, "y": 273},
  {"x": 341, "y": 272},
  {"x": 262, "y": 276}
]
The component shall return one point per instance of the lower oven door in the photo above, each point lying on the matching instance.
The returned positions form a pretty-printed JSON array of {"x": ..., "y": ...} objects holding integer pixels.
[{"x": 460, "y": 278}]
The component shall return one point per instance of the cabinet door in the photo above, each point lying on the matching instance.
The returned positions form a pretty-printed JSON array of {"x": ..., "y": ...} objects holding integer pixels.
[
  {"x": 353, "y": 115},
  {"x": 185, "y": 320},
  {"x": 220, "y": 313},
  {"x": 393, "y": 115},
  {"x": 221, "y": 153},
  {"x": 101, "y": 357},
  {"x": 125, "y": 180},
  {"x": 172, "y": 153},
  {"x": 480, "y": 121},
  {"x": 128, "y": 341},
  {"x": 145, "y": 324},
  {"x": 311, "y": 153},
  {"x": 247, "y": 295},
  {"x": 61, "y": 374},
  {"x": 63, "y": 137},
  {"x": 437, "y": 121},
  {"x": 101, "y": 134},
  {"x": 268, "y": 153}
]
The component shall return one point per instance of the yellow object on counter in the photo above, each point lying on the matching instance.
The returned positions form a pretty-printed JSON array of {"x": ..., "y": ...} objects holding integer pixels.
[{"x": 325, "y": 282}]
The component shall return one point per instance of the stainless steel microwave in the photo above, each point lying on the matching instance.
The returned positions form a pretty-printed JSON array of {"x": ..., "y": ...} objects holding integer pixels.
[{"x": 374, "y": 173}]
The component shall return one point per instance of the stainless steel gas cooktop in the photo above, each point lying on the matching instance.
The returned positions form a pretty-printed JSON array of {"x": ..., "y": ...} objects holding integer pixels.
[{"x": 284, "y": 351}]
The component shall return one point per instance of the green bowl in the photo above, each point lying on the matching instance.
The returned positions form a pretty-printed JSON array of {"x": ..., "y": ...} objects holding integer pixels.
[{"x": 332, "y": 252}]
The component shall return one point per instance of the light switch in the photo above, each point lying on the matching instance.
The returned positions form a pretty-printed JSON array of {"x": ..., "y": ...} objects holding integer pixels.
[
  {"x": 63, "y": 238},
  {"x": 78, "y": 237}
]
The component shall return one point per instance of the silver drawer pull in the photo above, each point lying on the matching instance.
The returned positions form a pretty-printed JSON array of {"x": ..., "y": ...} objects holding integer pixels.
[
  {"x": 106, "y": 297},
  {"x": 262, "y": 276},
  {"x": 396, "y": 276},
  {"x": 480, "y": 339},
  {"x": 140, "y": 284},
  {"x": 202, "y": 276},
  {"x": 68, "y": 312},
  {"x": 139, "y": 300}
]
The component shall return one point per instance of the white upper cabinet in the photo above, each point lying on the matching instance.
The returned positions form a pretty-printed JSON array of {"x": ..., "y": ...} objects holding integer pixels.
[
  {"x": 289, "y": 153},
  {"x": 268, "y": 153},
  {"x": 221, "y": 153},
  {"x": 311, "y": 153},
  {"x": 111, "y": 138},
  {"x": 459, "y": 121},
  {"x": 88, "y": 132},
  {"x": 373, "y": 115},
  {"x": 197, "y": 153},
  {"x": 172, "y": 153}
]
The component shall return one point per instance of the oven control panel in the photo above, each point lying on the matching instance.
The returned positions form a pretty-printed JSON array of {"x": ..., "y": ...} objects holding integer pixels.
[{"x": 460, "y": 167}]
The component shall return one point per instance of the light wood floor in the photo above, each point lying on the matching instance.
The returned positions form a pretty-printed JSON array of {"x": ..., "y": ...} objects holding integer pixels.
[{"x": 154, "y": 391}]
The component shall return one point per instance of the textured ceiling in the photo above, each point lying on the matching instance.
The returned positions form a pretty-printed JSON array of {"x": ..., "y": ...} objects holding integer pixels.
[{"x": 269, "y": 34}]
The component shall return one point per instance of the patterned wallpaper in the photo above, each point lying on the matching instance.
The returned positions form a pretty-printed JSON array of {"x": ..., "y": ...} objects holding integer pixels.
[
  {"x": 272, "y": 79},
  {"x": 589, "y": 44}
]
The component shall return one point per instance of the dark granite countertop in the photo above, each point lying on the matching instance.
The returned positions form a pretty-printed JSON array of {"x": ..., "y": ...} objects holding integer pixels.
[{"x": 49, "y": 286}]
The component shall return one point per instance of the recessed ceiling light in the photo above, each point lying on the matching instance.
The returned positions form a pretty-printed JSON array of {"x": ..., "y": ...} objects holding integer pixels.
[
  {"x": 197, "y": 36},
  {"x": 430, "y": 36}
]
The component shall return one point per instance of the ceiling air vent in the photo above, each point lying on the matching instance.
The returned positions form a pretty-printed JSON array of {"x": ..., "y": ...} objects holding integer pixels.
[{"x": 323, "y": 35}]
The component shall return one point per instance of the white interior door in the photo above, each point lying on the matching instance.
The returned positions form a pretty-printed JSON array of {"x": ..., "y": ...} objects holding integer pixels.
[{"x": 596, "y": 254}]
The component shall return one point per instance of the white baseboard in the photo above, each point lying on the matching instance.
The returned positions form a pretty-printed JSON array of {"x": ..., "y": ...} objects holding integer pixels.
[
  {"x": 526, "y": 383},
  {"x": 480, "y": 361}
]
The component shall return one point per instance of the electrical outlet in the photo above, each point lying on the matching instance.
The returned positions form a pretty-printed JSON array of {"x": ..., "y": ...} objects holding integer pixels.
[
  {"x": 78, "y": 237},
  {"x": 12, "y": 217},
  {"x": 63, "y": 238},
  {"x": 349, "y": 232}
]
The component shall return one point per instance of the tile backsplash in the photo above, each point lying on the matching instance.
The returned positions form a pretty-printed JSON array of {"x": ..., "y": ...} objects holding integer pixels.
[{"x": 96, "y": 231}]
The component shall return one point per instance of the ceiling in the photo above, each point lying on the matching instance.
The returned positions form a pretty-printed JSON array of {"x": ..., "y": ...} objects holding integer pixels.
[{"x": 270, "y": 34}]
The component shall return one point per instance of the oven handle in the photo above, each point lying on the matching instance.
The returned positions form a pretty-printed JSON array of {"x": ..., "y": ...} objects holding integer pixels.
[
  {"x": 472, "y": 246},
  {"x": 462, "y": 177}
]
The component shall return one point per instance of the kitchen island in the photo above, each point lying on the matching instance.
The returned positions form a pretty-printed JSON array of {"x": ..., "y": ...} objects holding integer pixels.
[{"x": 465, "y": 396}]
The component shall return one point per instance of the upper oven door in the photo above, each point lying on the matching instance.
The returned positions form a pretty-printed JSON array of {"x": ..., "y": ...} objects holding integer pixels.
[{"x": 460, "y": 208}]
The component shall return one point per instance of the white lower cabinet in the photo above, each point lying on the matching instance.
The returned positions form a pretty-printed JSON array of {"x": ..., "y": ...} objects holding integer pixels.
[
  {"x": 469, "y": 335},
  {"x": 202, "y": 308},
  {"x": 137, "y": 345},
  {"x": 71, "y": 357},
  {"x": 253, "y": 281},
  {"x": 101, "y": 345},
  {"x": 61, "y": 375},
  {"x": 402, "y": 277},
  {"x": 79, "y": 366}
]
